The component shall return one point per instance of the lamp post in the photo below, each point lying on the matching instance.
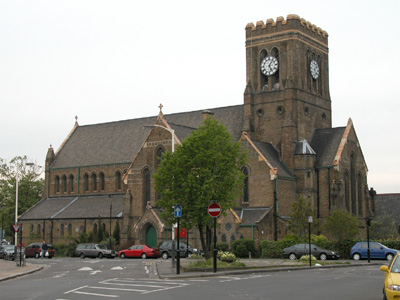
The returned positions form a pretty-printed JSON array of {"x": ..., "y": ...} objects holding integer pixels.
[
  {"x": 310, "y": 220},
  {"x": 16, "y": 200},
  {"x": 110, "y": 218}
]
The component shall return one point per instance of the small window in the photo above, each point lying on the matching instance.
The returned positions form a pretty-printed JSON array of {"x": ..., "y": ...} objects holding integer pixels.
[
  {"x": 94, "y": 182},
  {"x": 86, "y": 180},
  {"x": 71, "y": 183},
  {"x": 102, "y": 182},
  {"x": 57, "y": 184}
]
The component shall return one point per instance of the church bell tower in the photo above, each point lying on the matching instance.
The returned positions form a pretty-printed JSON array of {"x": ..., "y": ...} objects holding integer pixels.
[{"x": 287, "y": 92}]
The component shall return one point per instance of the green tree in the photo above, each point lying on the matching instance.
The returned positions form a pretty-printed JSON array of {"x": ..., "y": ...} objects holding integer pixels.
[
  {"x": 341, "y": 225},
  {"x": 205, "y": 168},
  {"x": 301, "y": 210},
  {"x": 30, "y": 186}
]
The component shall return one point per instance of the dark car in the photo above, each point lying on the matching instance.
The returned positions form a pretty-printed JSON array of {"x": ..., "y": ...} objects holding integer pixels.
[
  {"x": 8, "y": 252},
  {"x": 298, "y": 250},
  {"x": 142, "y": 251},
  {"x": 185, "y": 250},
  {"x": 94, "y": 250},
  {"x": 376, "y": 250},
  {"x": 35, "y": 250}
]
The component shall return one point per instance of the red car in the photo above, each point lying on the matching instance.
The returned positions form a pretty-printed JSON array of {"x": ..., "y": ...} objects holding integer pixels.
[
  {"x": 35, "y": 250},
  {"x": 142, "y": 251}
]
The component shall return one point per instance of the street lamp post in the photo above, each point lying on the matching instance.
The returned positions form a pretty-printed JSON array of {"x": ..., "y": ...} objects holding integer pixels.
[
  {"x": 16, "y": 200},
  {"x": 110, "y": 218},
  {"x": 310, "y": 220},
  {"x": 2, "y": 222}
]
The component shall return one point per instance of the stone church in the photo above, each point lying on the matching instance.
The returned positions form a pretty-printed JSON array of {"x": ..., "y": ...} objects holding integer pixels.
[{"x": 101, "y": 175}]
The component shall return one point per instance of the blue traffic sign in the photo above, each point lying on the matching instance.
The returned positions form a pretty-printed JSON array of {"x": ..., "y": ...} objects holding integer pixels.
[{"x": 177, "y": 211}]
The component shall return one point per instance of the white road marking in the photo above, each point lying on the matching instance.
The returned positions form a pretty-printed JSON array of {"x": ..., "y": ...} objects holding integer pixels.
[{"x": 85, "y": 269}]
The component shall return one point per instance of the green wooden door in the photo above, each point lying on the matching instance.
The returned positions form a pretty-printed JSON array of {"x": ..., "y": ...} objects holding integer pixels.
[{"x": 151, "y": 237}]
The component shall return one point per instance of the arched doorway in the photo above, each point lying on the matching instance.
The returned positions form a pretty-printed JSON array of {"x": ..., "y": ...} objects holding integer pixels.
[{"x": 151, "y": 236}]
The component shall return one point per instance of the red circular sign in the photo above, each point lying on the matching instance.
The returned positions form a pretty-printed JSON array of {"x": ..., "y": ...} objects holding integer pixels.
[{"x": 214, "y": 210}]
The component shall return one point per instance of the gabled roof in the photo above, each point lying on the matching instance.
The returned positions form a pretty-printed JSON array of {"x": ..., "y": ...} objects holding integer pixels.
[
  {"x": 325, "y": 143},
  {"x": 119, "y": 142},
  {"x": 251, "y": 216},
  {"x": 81, "y": 207},
  {"x": 271, "y": 157}
]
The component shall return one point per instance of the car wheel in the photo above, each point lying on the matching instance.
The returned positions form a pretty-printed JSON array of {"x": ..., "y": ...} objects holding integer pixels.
[
  {"x": 82, "y": 255},
  {"x": 356, "y": 256},
  {"x": 144, "y": 255},
  {"x": 389, "y": 256},
  {"x": 164, "y": 255},
  {"x": 37, "y": 255},
  {"x": 122, "y": 255},
  {"x": 322, "y": 256},
  {"x": 100, "y": 255},
  {"x": 292, "y": 256}
]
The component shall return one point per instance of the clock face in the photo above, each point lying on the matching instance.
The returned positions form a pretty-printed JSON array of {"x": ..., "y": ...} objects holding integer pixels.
[
  {"x": 314, "y": 69},
  {"x": 269, "y": 66}
]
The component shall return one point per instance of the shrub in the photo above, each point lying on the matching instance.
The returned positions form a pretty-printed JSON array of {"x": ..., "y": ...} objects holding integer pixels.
[
  {"x": 222, "y": 246},
  {"x": 241, "y": 251},
  {"x": 249, "y": 247},
  {"x": 307, "y": 258}
]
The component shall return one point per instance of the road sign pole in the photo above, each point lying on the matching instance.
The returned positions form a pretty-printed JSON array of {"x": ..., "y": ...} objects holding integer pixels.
[
  {"x": 215, "y": 245},
  {"x": 178, "y": 257}
]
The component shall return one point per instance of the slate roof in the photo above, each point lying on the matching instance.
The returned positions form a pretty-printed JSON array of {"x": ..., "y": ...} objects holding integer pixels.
[
  {"x": 388, "y": 204},
  {"x": 119, "y": 142},
  {"x": 325, "y": 143},
  {"x": 81, "y": 207},
  {"x": 272, "y": 155},
  {"x": 251, "y": 216}
]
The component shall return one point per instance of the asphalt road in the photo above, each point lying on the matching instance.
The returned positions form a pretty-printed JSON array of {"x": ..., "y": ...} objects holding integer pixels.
[{"x": 73, "y": 278}]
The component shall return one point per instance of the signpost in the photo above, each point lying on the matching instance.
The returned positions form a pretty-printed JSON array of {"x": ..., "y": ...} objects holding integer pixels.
[
  {"x": 178, "y": 214},
  {"x": 214, "y": 210}
]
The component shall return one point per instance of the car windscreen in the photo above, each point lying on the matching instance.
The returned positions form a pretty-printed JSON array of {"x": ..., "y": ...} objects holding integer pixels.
[{"x": 101, "y": 246}]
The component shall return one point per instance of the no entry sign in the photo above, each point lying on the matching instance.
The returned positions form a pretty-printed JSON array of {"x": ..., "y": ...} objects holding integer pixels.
[{"x": 214, "y": 210}]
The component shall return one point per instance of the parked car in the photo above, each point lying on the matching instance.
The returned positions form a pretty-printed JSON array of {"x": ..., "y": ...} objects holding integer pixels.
[
  {"x": 298, "y": 250},
  {"x": 185, "y": 250},
  {"x": 142, "y": 251},
  {"x": 377, "y": 251},
  {"x": 35, "y": 250},
  {"x": 94, "y": 250},
  {"x": 8, "y": 252},
  {"x": 391, "y": 283}
]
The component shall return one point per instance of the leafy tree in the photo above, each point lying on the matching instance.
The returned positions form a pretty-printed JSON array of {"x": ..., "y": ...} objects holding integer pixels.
[
  {"x": 341, "y": 225},
  {"x": 30, "y": 186},
  {"x": 205, "y": 168},
  {"x": 301, "y": 210},
  {"x": 116, "y": 233}
]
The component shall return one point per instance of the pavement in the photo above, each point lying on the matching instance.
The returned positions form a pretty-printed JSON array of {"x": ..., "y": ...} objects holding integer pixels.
[{"x": 163, "y": 269}]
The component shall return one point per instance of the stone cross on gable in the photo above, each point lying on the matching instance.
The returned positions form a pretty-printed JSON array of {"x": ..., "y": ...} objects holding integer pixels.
[{"x": 160, "y": 107}]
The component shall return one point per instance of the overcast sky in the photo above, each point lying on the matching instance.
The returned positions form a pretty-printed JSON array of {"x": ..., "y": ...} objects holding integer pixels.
[{"x": 114, "y": 60}]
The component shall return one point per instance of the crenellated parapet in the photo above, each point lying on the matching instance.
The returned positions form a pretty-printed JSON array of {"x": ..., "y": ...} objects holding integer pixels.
[{"x": 293, "y": 23}]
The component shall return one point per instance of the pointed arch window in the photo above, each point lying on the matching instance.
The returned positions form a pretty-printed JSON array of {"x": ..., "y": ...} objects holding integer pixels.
[
  {"x": 95, "y": 229},
  {"x": 62, "y": 230},
  {"x": 57, "y": 184},
  {"x": 102, "y": 181},
  {"x": 71, "y": 183},
  {"x": 347, "y": 190},
  {"x": 159, "y": 153},
  {"x": 118, "y": 180},
  {"x": 146, "y": 187},
  {"x": 360, "y": 195},
  {"x": 64, "y": 183},
  {"x": 69, "y": 229},
  {"x": 245, "y": 197},
  {"x": 94, "y": 182},
  {"x": 39, "y": 230},
  {"x": 86, "y": 182},
  {"x": 353, "y": 182}
]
